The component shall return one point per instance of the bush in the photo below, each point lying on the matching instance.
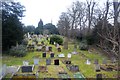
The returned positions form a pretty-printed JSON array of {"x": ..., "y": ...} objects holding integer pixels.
[
  {"x": 25, "y": 42},
  {"x": 83, "y": 45},
  {"x": 18, "y": 51},
  {"x": 56, "y": 39}
]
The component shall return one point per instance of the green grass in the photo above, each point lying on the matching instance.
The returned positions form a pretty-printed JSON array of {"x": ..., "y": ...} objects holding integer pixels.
[{"x": 87, "y": 70}]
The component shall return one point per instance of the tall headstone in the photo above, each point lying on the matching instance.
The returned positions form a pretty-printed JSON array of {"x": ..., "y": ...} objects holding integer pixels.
[{"x": 97, "y": 68}]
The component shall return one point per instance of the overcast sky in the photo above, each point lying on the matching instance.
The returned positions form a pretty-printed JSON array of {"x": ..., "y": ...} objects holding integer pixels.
[{"x": 47, "y": 10}]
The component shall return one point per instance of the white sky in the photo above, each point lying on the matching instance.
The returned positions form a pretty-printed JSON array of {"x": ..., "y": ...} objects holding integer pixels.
[{"x": 47, "y": 10}]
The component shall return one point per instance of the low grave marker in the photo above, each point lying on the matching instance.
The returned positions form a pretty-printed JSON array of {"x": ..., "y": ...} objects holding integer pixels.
[
  {"x": 61, "y": 55},
  {"x": 97, "y": 68},
  {"x": 27, "y": 68},
  {"x": 42, "y": 69},
  {"x": 88, "y": 62}
]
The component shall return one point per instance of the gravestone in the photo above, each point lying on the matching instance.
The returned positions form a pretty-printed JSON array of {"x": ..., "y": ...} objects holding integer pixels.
[
  {"x": 48, "y": 62},
  {"x": 104, "y": 61},
  {"x": 56, "y": 62},
  {"x": 74, "y": 68},
  {"x": 44, "y": 48},
  {"x": 97, "y": 68},
  {"x": 52, "y": 55},
  {"x": 75, "y": 47},
  {"x": 88, "y": 62},
  {"x": 99, "y": 76},
  {"x": 69, "y": 55},
  {"x": 3, "y": 71},
  {"x": 39, "y": 48},
  {"x": 25, "y": 63},
  {"x": 65, "y": 45},
  {"x": 27, "y": 68},
  {"x": 59, "y": 49},
  {"x": 61, "y": 55},
  {"x": 47, "y": 48},
  {"x": 57, "y": 45},
  {"x": 36, "y": 61},
  {"x": 12, "y": 69},
  {"x": 96, "y": 61},
  {"x": 44, "y": 54},
  {"x": 50, "y": 48},
  {"x": 68, "y": 62}
]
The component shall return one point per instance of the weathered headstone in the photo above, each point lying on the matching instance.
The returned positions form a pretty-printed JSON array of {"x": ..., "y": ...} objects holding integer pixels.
[
  {"x": 48, "y": 62},
  {"x": 59, "y": 49},
  {"x": 12, "y": 69},
  {"x": 44, "y": 54},
  {"x": 65, "y": 45},
  {"x": 69, "y": 55},
  {"x": 97, "y": 68},
  {"x": 52, "y": 55},
  {"x": 56, "y": 62}
]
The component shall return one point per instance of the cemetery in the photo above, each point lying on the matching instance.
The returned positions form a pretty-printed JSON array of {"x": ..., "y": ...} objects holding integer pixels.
[{"x": 46, "y": 59}]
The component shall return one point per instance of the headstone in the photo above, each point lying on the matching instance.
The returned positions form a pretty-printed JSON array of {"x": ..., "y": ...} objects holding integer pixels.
[
  {"x": 27, "y": 68},
  {"x": 59, "y": 49},
  {"x": 97, "y": 67},
  {"x": 74, "y": 68},
  {"x": 44, "y": 54},
  {"x": 36, "y": 61},
  {"x": 44, "y": 48},
  {"x": 69, "y": 55},
  {"x": 74, "y": 52},
  {"x": 96, "y": 61},
  {"x": 56, "y": 62},
  {"x": 3, "y": 73},
  {"x": 104, "y": 61},
  {"x": 57, "y": 45},
  {"x": 68, "y": 62},
  {"x": 52, "y": 55},
  {"x": 88, "y": 62},
  {"x": 50, "y": 48},
  {"x": 61, "y": 55},
  {"x": 48, "y": 62},
  {"x": 39, "y": 48},
  {"x": 99, "y": 76},
  {"x": 12, "y": 69},
  {"x": 47, "y": 48},
  {"x": 25, "y": 63}
]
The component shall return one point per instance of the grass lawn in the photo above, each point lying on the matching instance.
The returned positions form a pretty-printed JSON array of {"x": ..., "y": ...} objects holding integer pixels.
[{"x": 87, "y": 70}]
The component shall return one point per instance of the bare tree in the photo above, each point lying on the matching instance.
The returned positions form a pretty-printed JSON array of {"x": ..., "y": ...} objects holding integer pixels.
[{"x": 90, "y": 8}]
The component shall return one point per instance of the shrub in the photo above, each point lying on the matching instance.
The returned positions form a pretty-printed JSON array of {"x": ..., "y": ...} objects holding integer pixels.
[
  {"x": 56, "y": 39},
  {"x": 18, "y": 51},
  {"x": 83, "y": 45},
  {"x": 25, "y": 42}
]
